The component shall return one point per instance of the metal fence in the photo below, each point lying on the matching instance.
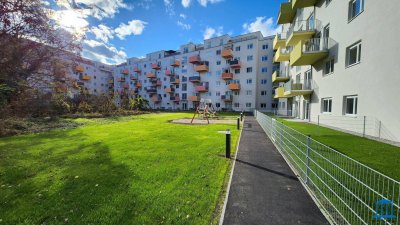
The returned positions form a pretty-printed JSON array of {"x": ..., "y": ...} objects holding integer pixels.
[{"x": 347, "y": 191}]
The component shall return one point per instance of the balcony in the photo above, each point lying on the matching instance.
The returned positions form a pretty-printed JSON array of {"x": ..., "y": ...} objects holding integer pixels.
[
  {"x": 194, "y": 98},
  {"x": 227, "y": 98},
  {"x": 155, "y": 66},
  {"x": 133, "y": 78},
  {"x": 136, "y": 70},
  {"x": 282, "y": 54},
  {"x": 235, "y": 64},
  {"x": 296, "y": 4},
  {"x": 194, "y": 59},
  {"x": 151, "y": 75},
  {"x": 310, "y": 51},
  {"x": 111, "y": 81},
  {"x": 126, "y": 86},
  {"x": 279, "y": 41},
  {"x": 202, "y": 67},
  {"x": 234, "y": 87},
  {"x": 168, "y": 72},
  {"x": 203, "y": 87},
  {"x": 84, "y": 77},
  {"x": 297, "y": 88},
  {"x": 302, "y": 30},
  {"x": 156, "y": 98},
  {"x": 194, "y": 79},
  {"x": 79, "y": 69},
  {"x": 174, "y": 81},
  {"x": 151, "y": 90},
  {"x": 227, "y": 76},
  {"x": 125, "y": 72},
  {"x": 138, "y": 84},
  {"x": 286, "y": 13},
  {"x": 227, "y": 53},
  {"x": 175, "y": 63},
  {"x": 169, "y": 90},
  {"x": 278, "y": 77},
  {"x": 158, "y": 83},
  {"x": 279, "y": 92},
  {"x": 175, "y": 98}
]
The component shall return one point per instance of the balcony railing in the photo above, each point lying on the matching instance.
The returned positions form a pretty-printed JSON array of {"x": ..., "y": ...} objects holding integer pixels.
[
  {"x": 136, "y": 70},
  {"x": 168, "y": 72},
  {"x": 203, "y": 87},
  {"x": 227, "y": 53},
  {"x": 174, "y": 80},
  {"x": 125, "y": 72},
  {"x": 299, "y": 87},
  {"x": 158, "y": 83},
  {"x": 202, "y": 66},
  {"x": 138, "y": 84},
  {"x": 194, "y": 79},
  {"x": 133, "y": 78},
  {"x": 194, "y": 59},
  {"x": 169, "y": 90},
  {"x": 79, "y": 69},
  {"x": 234, "y": 87},
  {"x": 279, "y": 92},
  {"x": 156, "y": 66},
  {"x": 302, "y": 30},
  {"x": 194, "y": 98},
  {"x": 151, "y": 75},
  {"x": 282, "y": 54},
  {"x": 235, "y": 63},
  {"x": 279, "y": 41},
  {"x": 84, "y": 77},
  {"x": 279, "y": 76},
  {"x": 175, "y": 63},
  {"x": 175, "y": 98},
  {"x": 227, "y": 98},
  {"x": 308, "y": 52},
  {"x": 151, "y": 90},
  {"x": 156, "y": 98},
  {"x": 227, "y": 76}
]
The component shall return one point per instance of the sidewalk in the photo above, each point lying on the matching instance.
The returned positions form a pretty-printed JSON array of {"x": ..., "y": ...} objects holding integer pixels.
[{"x": 264, "y": 190}]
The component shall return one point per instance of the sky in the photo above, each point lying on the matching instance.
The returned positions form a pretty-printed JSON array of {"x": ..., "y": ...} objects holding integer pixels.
[{"x": 115, "y": 30}]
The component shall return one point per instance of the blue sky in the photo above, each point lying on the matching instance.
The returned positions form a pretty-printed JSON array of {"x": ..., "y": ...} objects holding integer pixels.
[{"x": 118, "y": 29}]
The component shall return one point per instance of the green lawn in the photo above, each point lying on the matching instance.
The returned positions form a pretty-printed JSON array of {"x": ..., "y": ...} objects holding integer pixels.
[
  {"x": 380, "y": 156},
  {"x": 127, "y": 170}
]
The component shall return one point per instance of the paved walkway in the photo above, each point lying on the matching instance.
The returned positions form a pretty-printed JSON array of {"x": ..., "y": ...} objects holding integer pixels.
[{"x": 264, "y": 190}]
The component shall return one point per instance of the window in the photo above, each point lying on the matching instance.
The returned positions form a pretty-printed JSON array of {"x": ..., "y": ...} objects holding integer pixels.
[
  {"x": 221, "y": 41},
  {"x": 237, "y": 48},
  {"x": 249, "y": 81},
  {"x": 350, "y": 104},
  {"x": 217, "y": 93},
  {"x": 218, "y": 62},
  {"x": 185, "y": 50},
  {"x": 248, "y": 104},
  {"x": 236, "y": 104},
  {"x": 218, "y": 52},
  {"x": 264, "y": 70},
  {"x": 263, "y": 81},
  {"x": 263, "y": 105},
  {"x": 263, "y": 93},
  {"x": 249, "y": 69},
  {"x": 326, "y": 105},
  {"x": 329, "y": 66},
  {"x": 217, "y": 104},
  {"x": 250, "y": 46},
  {"x": 265, "y": 47},
  {"x": 218, "y": 73},
  {"x": 353, "y": 54},
  {"x": 355, "y": 8},
  {"x": 249, "y": 92},
  {"x": 236, "y": 93},
  {"x": 249, "y": 58},
  {"x": 218, "y": 83},
  {"x": 264, "y": 58}
]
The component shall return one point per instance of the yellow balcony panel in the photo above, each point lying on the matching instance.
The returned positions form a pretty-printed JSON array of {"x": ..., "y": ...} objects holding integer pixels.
[
  {"x": 201, "y": 68},
  {"x": 309, "y": 52},
  {"x": 282, "y": 55},
  {"x": 277, "y": 77},
  {"x": 85, "y": 77},
  {"x": 303, "y": 88},
  {"x": 296, "y": 4},
  {"x": 234, "y": 87},
  {"x": 279, "y": 92},
  {"x": 79, "y": 69},
  {"x": 279, "y": 41},
  {"x": 286, "y": 13},
  {"x": 297, "y": 36},
  {"x": 194, "y": 98},
  {"x": 302, "y": 30}
]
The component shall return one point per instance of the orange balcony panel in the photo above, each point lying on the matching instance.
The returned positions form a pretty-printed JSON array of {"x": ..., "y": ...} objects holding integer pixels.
[
  {"x": 194, "y": 98},
  {"x": 201, "y": 68},
  {"x": 133, "y": 78},
  {"x": 125, "y": 72},
  {"x": 125, "y": 86},
  {"x": 150, "y": 75},
  {"x": 236, "y": 64},
  {"x": 227, "y": 76},
  {"x": 227, "y": 53},
  {"x": 79, "y": 68},
  {"x": 194, "y": 59},
  {"x": 159, "y": 83},
  {"x": 156, "y": 98},
  {"x": 177, "y": 99},
  {"x": 176, "y": 81},
  {"x": 138, "y": 84},
  {"x": 136, "y": 70},
  {"x": 168, "y": 72},
  {"x": 85, "y": 77},
  {"x": 175, "y": 63},
  {"x": 201, "y": 89},
  {"x": 121, "y": 79},
  {"x": 169, "y": 90},
  {"x": 155, "y": 66},
  {"x": 234, "y": 87}
]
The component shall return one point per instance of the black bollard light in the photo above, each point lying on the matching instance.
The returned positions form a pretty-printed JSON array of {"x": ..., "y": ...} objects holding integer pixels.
[
  {"x": 228, "y": 143},
  {"x": 241, "y": 116},
  {"x": 238, "y": 123}
]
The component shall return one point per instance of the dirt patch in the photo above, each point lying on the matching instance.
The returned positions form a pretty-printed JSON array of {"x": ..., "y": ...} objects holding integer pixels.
[{"x": 200, "y": 121}]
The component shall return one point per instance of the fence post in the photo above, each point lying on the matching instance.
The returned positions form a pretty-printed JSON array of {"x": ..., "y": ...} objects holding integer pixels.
[
  {"x": 308, "y": 158},
  {"x": 318, "y": 120},
  {"x": 379, "y": 129},
  {"x": 364, "y": 127},
  {"x": 228, "y": 144}
]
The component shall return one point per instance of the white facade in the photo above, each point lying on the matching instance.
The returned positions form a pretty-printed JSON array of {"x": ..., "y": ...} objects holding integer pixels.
[{"x": 354, "y": 86}]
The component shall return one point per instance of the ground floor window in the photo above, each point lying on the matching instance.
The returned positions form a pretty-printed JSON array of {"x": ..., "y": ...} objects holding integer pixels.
[
  {"x": 236, "y": 104},
  {"x": 263, "y": 105},
  {"x": 248, "y": 104},
  {"x": 350, "y": 105},
  {"x": 326, "y": 105}
]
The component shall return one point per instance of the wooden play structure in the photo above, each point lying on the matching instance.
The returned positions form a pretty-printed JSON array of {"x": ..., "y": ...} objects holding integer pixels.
[{"x": 205, "y": 110}]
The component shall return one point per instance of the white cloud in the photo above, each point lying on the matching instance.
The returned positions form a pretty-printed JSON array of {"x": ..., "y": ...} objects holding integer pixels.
[
  {"x": 103, "y": 32},
  {"x": 71, "y": 20},
  {"x": 186, "y": 3},
  {"x": 184, "y": 26},
  {"x": 266, "y": 26},
  {"x": 169, "y": 7},
  {"x": 134, "y": 27},
  {"x": 211, "y": 32},
  {"x": 205, "y": 2},
  {"x": 183, "y": 16},
  {"x": 146, "y": 4},
  {"x": 103, "y": 52}
]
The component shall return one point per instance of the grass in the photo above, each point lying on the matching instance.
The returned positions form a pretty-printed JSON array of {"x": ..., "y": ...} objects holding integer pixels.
[
  {"x": 127, "y": 170},
  {"x": 379, "y": 156}
]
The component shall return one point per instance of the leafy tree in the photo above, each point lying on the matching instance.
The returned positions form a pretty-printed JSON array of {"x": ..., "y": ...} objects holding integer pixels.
[{"x": 138, "y": 103}]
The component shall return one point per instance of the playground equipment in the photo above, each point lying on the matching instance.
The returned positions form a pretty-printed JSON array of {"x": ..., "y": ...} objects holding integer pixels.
[{"x": 205, "y": 109}]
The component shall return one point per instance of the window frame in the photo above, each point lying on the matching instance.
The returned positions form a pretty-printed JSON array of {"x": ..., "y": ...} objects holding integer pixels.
[
  {"x": 331, "y": 63},
  {"x": 355, "y": 105},
  {"x": 358, "y": 46},
  {"x": 329, "y": 105},
  {"x": 351, "y": 17}
]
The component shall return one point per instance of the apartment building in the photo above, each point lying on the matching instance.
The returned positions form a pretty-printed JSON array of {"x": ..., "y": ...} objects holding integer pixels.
[
  {"x": 234, "y": 73},
  {"x": 338, "y": 64}
]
